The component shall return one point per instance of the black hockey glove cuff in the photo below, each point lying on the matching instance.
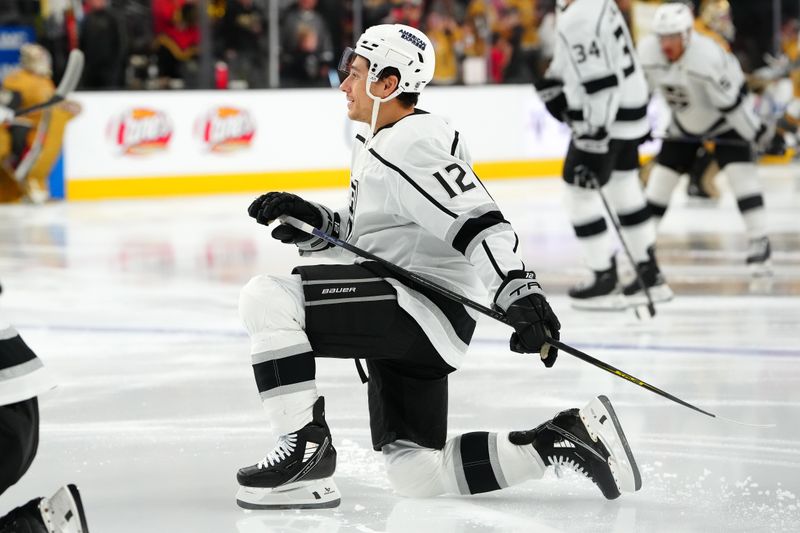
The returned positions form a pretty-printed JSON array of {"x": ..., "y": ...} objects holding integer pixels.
[
  {"x": 521, "y": 298},
  {"x": 595, "y": 142},
  {"x": 551, "y": 91}
]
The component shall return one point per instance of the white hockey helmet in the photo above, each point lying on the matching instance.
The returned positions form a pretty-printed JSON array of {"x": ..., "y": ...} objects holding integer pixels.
[
  {"x": 675, "y": 18},
  {"x": 395, "y": 45}
]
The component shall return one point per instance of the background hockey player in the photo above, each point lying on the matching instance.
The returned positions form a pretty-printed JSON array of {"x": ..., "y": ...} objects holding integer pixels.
[
  {"x": 22, "y": 379},
  {"x": 35, "y": 139},
  {"x": 604, "y": 100},
  {"x": 414, "y": 201},
  {"x": 706, "y": 92}
]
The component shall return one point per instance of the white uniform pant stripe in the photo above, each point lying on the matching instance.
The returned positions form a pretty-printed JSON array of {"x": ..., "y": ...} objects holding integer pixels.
[
  {"x": 585, "y": 209},
  {"x": 419, "y": 472},
  {"x": 625, "y": 195}
]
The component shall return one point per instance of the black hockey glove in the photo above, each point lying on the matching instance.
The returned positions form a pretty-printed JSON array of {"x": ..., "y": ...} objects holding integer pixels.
[
  {"x": 588, "y": 157},
  {"x": 585, "y": 177},
  {"x": 270, "y": 206},
  {"x": 521, "y": 298},
  {"x": 551, "y": 91},
  {"x": 763, "y": 138}
]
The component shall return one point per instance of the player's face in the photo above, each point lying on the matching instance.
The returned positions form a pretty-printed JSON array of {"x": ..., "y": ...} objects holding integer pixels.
[
  {"x": 359, "y": 104},
  {"x": 671, "y": 46}
]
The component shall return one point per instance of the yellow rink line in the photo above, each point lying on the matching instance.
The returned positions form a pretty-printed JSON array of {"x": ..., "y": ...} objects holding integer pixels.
[
  {"x": 108, "y": 188},
  {"x": 100, "y": 189}
]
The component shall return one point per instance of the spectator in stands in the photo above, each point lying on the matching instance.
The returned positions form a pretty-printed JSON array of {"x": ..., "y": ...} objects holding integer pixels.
[
  {"x": 242, "y": 30},
  {"x": 10, "y": 13},
  {"x": 446, "y": 37},
  {"x": 103, "y": 39},
  {"x": 177, "y": 38},
  {"x": 138, "y": 20},
  {"x": 499, "y": 57},
  {"x": 408, "y": 12},
  {"x": 307, "y": 51},
  {"x": 518, "y": 67},
  {"x": 375, "y": 12}
]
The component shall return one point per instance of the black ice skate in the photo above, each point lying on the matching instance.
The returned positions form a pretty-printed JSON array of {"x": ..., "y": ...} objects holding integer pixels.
[
  {"x": 589, "y": 441},
  {"x": 61, "y": 513},
  {"x": 296, "y": 474},
  {"x": 654, "y": 281},
  {"x": 759, "y": 252},
  {"x": 602, "y": 292}
]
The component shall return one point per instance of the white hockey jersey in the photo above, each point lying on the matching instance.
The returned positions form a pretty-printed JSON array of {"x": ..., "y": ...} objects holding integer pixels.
[
  {"x": 603, "y": 80},
  {"x": 416, "y": 202},
  {"x": 705, "y": 88},
  {"x": 22, "y": 374}
]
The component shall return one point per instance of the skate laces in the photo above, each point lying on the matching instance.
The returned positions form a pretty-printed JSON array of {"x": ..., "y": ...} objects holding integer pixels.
[
  {"x": 282, "y": 450},
  {"x": 559, "y": 461}
]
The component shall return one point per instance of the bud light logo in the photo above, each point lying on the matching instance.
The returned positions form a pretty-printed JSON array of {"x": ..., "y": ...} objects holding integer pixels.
[
  {"x": 141, "y": 131},
  {"x": 226, "y": 129}
]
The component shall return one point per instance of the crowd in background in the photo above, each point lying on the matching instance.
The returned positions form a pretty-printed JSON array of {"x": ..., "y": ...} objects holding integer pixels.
[{"x": 156, "y": 44}]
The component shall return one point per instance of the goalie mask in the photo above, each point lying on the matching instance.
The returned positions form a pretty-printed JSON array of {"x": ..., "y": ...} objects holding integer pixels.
[
  {"x": 398, "y": 46},
  {"x": 36, "y": 59}
]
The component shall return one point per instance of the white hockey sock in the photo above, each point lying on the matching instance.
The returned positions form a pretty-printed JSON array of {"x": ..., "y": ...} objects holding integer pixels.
[
  {"x": 290, "y": 411},
  {"x": 586, "y": 212},
  {"x": 625, "y": 195},
  {"x": 743, "y": 178},
  {"x": 659, "y": 189},
  {"x": 469, "y": 464},
  {"x": 271, "y": 309},
  {"x": 519, "y": 463}
]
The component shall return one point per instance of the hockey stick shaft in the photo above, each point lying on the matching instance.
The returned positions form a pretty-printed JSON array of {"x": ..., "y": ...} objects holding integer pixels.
[
  {"x": 651, "y": 308},
  {"x": 700, "y": 140},
  {"x": 70, "y": 80},
  {"x": 500, "y": 317}
]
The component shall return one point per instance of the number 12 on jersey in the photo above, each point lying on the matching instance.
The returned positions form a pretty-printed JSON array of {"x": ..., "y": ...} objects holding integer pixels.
[{"x": 459, "y": 180}]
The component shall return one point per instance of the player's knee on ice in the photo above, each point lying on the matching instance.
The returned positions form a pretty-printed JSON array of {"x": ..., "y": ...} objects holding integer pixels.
[
  {"x": 272, "y": 302},
  {"x": 414, "y": 471}
]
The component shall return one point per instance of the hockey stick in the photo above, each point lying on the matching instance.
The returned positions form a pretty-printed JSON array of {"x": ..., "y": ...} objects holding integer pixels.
[
  {"x": 651, "y": 308},
  {"x": 70, "y": 79},
  {"x": 500, "y": 317},
  {"x": 700, "y": 140}
]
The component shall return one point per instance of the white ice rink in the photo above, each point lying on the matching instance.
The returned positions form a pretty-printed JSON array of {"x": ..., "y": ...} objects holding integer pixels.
[{"x": 134, "y": 304}]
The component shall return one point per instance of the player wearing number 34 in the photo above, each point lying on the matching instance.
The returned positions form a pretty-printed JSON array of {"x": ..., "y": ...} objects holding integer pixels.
[
  {"x": 596, "y": 84},
  {"x": 416, "y": 202}
]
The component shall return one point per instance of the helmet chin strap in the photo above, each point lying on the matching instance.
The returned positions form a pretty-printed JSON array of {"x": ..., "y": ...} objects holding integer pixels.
[{"x": 376, "y": 104}]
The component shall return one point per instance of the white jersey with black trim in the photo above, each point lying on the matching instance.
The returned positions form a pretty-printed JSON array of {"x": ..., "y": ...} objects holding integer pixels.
[
  {"x": 603, "y": 80},
  {"x": 705, "y": 88},
  {"x": 416, "y": 202},
  {"x": 22, "y": 374}
]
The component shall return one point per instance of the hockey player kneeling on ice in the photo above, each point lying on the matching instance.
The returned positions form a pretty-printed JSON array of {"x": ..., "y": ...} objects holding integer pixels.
[
  {"x": 706, "y": 91},
  {"x": 596, "y": 84},
  {"x": 22, "y": 378},
  {"x": 414, "y": 201}
]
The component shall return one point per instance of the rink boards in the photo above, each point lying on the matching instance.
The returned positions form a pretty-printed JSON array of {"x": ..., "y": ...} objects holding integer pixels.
[{"x": 144, "y": 144}]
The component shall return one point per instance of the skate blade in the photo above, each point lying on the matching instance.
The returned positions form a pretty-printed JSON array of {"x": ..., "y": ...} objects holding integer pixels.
[
  {"x": 315, "y": 494},
  {"x": 761, "y": 270},
  {"x": 659, "y": 294},
  {"x": 63, "y": 512},
  {"x": 611, "y": 302},
  {"x": 596, "y": 417}
]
